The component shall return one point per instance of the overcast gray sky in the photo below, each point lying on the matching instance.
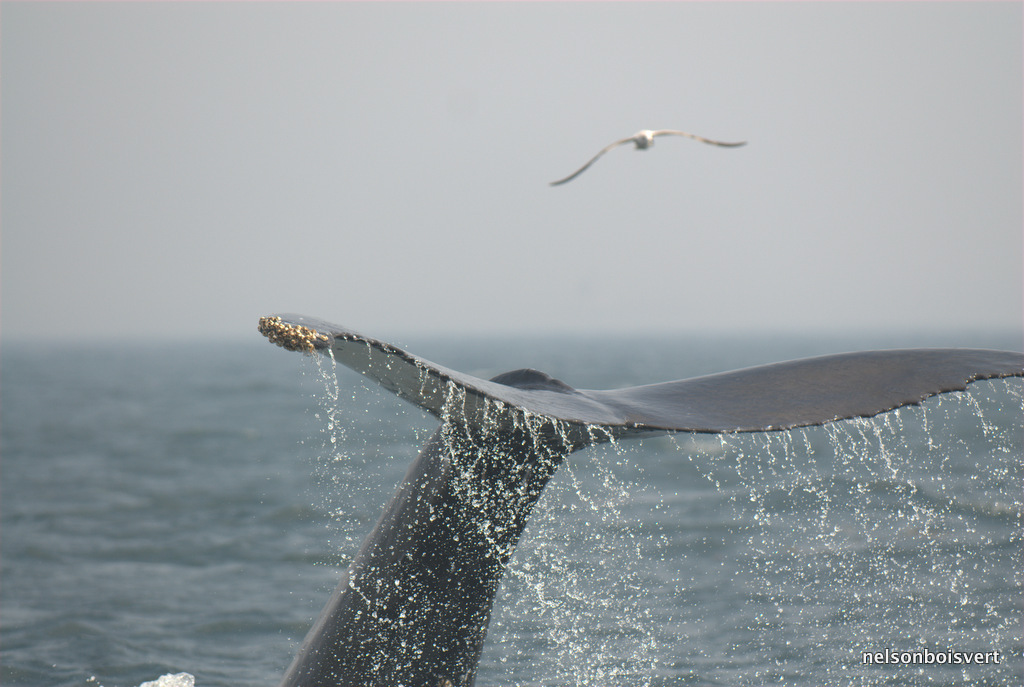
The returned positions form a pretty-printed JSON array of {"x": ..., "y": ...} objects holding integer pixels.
[{"x": 180, "y": 169}]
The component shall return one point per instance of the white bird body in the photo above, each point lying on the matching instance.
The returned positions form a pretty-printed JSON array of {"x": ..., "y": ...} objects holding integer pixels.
[{"x": 642, "y": 140}]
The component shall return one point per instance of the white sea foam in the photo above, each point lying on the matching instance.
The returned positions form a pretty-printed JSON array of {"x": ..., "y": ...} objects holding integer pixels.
[{"x": 169, "y": 680}]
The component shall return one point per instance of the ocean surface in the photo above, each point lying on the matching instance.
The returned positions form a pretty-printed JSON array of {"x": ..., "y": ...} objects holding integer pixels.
[{"x": 184, "y": 508}]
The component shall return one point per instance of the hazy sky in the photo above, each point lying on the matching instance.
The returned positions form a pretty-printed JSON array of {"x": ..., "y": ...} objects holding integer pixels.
[{"x": 180, "y": 169}]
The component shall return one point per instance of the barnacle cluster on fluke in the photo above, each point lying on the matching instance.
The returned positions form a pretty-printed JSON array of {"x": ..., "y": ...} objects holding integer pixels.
[{"x": 294, "y": 337}]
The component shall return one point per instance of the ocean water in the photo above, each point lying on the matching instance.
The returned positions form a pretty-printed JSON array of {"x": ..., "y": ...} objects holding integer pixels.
[{"x": 184, "y": 508}]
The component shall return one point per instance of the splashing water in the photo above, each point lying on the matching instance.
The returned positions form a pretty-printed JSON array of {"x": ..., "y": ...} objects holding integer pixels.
[{"x": 893, "y": 532}]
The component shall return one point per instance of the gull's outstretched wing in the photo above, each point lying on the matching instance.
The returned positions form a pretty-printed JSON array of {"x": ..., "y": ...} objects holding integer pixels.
[
  {"x": 674, "y": 132},
  {"x": 780, "y": 396},
  {"x": 592, "y": 160}
]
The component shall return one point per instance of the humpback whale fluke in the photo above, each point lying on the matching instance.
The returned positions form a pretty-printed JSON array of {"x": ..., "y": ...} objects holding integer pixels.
[
  {"x": 643, "y": 140},
  {"x": 414, "y": 605}
]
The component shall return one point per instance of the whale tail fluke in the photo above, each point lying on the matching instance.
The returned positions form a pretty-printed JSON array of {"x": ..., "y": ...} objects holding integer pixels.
[
  {"x": 780, "y": 396},
  {"x": 414, "y": 605}
]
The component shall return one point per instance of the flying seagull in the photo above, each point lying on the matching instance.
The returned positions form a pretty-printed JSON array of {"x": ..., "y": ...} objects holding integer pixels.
[{"x": 643, "y": 140}]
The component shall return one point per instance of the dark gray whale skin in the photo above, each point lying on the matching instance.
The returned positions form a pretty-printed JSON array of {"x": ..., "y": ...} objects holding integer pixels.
[{"x": 413, "y": 607}]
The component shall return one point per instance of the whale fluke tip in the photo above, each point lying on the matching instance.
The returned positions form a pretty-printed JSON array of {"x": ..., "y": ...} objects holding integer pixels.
[{"x": 292, "y": 337}]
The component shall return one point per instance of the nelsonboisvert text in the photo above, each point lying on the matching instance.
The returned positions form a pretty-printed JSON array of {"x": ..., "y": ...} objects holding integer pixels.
[{"x": 929, "y": 657}]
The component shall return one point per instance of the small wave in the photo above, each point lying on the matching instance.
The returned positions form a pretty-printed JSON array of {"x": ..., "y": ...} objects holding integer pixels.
[{"x": 175, "y": 680}]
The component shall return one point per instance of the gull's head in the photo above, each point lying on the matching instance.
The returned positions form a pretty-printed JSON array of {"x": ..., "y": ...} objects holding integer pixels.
[{"x": 643, "y": 139}]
